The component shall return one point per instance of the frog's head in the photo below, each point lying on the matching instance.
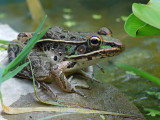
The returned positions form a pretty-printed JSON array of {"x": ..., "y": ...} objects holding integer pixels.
[{"x": 98, "y": 46}]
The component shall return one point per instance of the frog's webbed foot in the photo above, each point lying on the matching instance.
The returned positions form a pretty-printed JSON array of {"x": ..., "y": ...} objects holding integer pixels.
[{"x": 45, "y": 86}]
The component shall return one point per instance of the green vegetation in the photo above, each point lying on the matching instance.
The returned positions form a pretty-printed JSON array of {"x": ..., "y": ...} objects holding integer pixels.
[
  {"x": 67, "y": 10},
  {"x": 69, "y": 23},
  {"x": 141, "y": 73},
  {"x": 2, "y": 15},
  {"x": 144, "y": 21},
  {"x": 97, "y": 16},
  {"x": 26, "y": 49}
]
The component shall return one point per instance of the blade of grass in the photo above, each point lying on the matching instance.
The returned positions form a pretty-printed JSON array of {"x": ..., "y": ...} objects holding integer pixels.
[
  {"x": 27, "y": 48},
  {"x": 11, "y": 110},
  {"x": 13, "y": 72},
  {"x": 5, "y": 42},
  {"x": 53, "y": 116},
  {"x": 19, "y": 59},
  {"x": 1, "y": 73},
  {"x": 141, "y": 73}
]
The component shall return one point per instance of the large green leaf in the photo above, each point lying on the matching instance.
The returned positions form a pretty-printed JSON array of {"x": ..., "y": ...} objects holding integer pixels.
[
  {"x": 136, "y": 27},
  {"x": 149, "y": 13},
  {"x": 144, "y": 21}
]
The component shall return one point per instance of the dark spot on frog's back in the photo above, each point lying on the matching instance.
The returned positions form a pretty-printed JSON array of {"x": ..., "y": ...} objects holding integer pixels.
[
  {"x": 62, "y": 37},
  {"x": 71, "y": 65},
  {"x": 55, "y": 45},
  {"x": 55, "y": 58}
]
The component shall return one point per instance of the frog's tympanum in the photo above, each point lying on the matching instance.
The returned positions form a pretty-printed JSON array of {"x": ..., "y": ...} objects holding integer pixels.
[{"x": 60, "y": 53}]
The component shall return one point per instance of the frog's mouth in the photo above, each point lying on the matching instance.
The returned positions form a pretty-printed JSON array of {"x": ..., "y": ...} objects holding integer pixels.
[{"x": 108, "y": 49}]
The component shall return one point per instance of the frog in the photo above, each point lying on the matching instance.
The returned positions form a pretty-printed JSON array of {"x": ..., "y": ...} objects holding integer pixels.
[{"x": 60, "y": 54}]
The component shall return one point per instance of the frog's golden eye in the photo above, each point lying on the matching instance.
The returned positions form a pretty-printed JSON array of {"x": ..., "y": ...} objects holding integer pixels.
[{"x": 95, "y": 40}]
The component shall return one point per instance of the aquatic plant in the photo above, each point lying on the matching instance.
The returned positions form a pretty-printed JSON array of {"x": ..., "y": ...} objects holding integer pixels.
[{"x": 144, "y": 21}]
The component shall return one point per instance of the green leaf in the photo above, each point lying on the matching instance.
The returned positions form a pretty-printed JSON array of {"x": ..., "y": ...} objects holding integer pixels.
[
  {"x": 132, "y": 25},
  {"x": 1, "y": 73},
  {"x": 154, "y": 3},
  {"x": 154, "y": 93},
  {"x": 124, "y": 18},
  {"x": 96, "y": 16},
  {"x": 14, "y": 72},
  {"x": 27, "y": 48},
  {"x": 149, "y": 14},
  {"x": 152, "y": 112},
  {"x": 102, "y": 117},
  {"x": 136, "y": 27},
  {"x": 141, "y": 73},
  {"x": 5, "y": 42},
  {"x": 148, "y": 30}
]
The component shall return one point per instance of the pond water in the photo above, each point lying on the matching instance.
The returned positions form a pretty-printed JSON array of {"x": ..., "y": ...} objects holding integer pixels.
[{"x": 90, "y": 15}]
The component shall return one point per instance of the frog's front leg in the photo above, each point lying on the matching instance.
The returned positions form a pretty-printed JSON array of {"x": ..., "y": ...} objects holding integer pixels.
[{"x": 57, "y": 72}]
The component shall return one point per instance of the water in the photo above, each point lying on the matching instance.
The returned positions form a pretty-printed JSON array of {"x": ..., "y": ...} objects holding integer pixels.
[{"x": 141, "y": 52}]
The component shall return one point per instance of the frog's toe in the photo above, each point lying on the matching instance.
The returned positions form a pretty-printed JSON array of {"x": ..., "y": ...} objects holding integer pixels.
[
  {"x": 47, "y": 87},
  {"x": 78, "y": 92},
  {"x": 78, "y": 83}
]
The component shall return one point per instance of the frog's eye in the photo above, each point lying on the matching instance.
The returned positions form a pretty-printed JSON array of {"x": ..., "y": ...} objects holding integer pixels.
[{"x": 95, "y": 40}]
